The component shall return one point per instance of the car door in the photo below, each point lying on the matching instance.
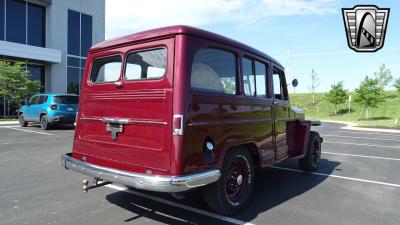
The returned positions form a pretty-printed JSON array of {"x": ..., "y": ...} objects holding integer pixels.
[
  {"x": 281, "y": 113},
  {"x": 38, "y": 107},
  {"x": 29, "y": 111}
]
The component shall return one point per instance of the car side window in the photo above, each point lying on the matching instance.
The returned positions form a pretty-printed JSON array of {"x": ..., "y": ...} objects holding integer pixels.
[
  {"x": 280, "y": 90},
  {"x": 248, "y": 77},
  {"x": 254, "y": 78},
  {"x": 33, "y": 100},
  {"x": 42, "y": 99},
  {"x": 214, "y": 70},
  {"x": 260, "y": 75}
]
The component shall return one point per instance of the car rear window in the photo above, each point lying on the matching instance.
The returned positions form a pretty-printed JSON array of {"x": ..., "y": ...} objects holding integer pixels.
[
  {"x": 147, "y": 64},
  {"x": 106, "y": 69},
  {"x": 66, "y": 99}
]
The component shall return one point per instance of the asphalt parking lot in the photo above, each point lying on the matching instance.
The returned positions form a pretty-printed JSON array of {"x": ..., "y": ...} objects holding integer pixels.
[{"x": 358, "y": 182}]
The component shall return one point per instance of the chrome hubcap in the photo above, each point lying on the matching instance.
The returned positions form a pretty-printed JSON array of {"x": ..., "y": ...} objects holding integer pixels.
[{"x": 239, "y": 180}]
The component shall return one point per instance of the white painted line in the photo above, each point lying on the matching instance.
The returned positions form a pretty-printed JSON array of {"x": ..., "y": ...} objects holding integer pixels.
[
  {"x": 362, "y": 156},
  {"x": 370, "y": 133},
  {"x": 346, "y": 143},
  {"x": 181, "y": 206},
  {"x": 368, "y": 138},
  {"x": 30, "y": 131},
  {"x": 337, "y": 176}
]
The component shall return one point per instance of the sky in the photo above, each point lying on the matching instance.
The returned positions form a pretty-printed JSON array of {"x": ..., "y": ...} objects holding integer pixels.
[{"x": 312, "y": 31}]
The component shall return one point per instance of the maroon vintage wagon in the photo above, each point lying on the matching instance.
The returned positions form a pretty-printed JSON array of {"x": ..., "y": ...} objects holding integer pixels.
[{"x": 178, "y": 108}]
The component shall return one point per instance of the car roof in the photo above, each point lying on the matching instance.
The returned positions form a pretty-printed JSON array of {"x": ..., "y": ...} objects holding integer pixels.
[{"x": 174, "y": 30}]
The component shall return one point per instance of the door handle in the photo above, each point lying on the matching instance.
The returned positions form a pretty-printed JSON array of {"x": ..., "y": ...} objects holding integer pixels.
[{"x": 118, "y": 84}]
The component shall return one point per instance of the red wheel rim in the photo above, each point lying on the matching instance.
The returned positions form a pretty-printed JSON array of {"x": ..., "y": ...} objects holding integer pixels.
[{"x": 235, "y": 179}]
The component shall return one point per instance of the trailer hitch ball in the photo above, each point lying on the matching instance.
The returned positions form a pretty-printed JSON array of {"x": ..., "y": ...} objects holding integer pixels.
[{"x": 85, "y": 185}]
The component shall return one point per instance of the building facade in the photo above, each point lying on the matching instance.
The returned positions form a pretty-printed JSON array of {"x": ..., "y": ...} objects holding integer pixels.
[{"x": 52, "y": 37}]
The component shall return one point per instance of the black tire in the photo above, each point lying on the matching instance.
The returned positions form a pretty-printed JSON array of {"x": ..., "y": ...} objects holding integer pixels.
[
  {"x": 311, "y": 160},
  {"x": 22, "y": 121},
  {"x": 44, "y": 123},
  {"x": 230, "y": 194}
]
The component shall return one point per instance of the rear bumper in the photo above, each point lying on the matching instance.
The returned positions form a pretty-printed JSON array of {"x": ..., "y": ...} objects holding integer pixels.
[
  {"x": 139, "y": 180},
  {"x": 62, "y": 119}
]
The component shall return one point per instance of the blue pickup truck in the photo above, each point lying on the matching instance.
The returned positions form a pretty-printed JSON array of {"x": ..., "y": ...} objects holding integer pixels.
[{"x": 49, "y": 110}]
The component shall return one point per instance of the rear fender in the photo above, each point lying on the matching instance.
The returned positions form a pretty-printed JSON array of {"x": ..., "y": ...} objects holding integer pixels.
[{"x": 298, "y": 134}]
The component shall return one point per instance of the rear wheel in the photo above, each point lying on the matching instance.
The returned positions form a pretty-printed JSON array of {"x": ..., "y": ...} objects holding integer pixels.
[
  {"x": 232, "y": 191},
  {"x": 310, "y": 162},
  {"x": 44, "y": 123},
  {"x": 22, "y": 121}
]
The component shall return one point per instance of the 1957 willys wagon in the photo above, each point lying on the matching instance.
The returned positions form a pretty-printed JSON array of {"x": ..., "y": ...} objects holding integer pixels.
[{"x": 178, "y": 108}]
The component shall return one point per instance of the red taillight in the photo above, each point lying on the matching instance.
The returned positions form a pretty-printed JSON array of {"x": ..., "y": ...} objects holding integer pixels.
[
  {"x": 177, "y": 125},
  {"x": 53, "y": 107}
]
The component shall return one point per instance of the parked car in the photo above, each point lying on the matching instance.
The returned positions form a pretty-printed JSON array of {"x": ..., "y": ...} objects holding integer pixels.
[
  {"x": 179, "y": 108},
  {"x": 49, "y": 110}
]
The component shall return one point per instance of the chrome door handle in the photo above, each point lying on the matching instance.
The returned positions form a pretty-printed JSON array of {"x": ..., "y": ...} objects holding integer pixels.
[{"x": 118, "y": 84}]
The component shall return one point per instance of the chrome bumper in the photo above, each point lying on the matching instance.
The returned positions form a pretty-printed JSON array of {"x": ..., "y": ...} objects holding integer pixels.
[{"x": 139, "y": 180}]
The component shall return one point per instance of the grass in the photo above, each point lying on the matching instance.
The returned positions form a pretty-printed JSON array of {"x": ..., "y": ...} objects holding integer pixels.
[
  {"x": 8, "y": 119},
  {"x": 386, "y": 115}
]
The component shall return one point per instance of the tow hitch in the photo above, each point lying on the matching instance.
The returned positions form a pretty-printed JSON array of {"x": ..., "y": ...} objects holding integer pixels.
[{"x": 97, "y": 183}]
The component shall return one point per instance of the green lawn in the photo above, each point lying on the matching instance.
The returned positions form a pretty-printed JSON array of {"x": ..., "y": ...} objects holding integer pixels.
[
  {"x": 386, "y": 115},
  {"x": 8, "y": 119}
]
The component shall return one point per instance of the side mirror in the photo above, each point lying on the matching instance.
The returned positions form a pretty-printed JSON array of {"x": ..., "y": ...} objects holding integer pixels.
[
  {"x": 295, "y": 82},
  {"x": 26, "y": 102}
]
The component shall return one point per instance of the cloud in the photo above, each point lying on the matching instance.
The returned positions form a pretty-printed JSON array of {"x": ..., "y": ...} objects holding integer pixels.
[{"x": 127, "y": 16}]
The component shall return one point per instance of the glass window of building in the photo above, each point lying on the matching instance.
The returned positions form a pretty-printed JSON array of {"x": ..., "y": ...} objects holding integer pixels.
[
  {"x": 73, "y": 32},
  {"x": 24, "y": 22},
  {"x": 86, "y": 34},
  {"x": 2, "y": 10},
  {"x": 38, "y": 73},
  {"x": 80, "y": 29},
  {"x": 36, "y": 25},
  {"x": 16, "y": 21}
]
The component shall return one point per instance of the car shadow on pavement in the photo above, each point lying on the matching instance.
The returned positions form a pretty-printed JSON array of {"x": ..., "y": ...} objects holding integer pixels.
[{"x": 273, "y": 187}]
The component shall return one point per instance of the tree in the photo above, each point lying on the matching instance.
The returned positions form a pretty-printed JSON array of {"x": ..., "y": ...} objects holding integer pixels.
[
  {"x": 337, "y": 95},
  {"x": 384, "y": 76},
  {"x": 314, "y": 84},
  {"x": 15, "y": 84},
  {"x": 369, "y": 95},
  {"x": 397, "y": 84}
]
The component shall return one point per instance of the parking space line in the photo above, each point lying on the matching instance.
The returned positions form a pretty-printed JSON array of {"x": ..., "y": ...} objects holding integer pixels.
[
  {"x": 337, "y": 176},
  {"x": 370, "y": 132},
  {"x": 30, "y": 131},
  {"x": 181, "y": 206},
  {"x": 347, "y": 143},
  {"x": 362, "y": 156},
  {"x": 357, "y": 137}
]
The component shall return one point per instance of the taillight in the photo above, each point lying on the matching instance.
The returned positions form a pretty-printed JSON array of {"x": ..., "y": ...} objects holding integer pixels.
[
  {"x": 53, "y": 107},
  {"x": 177, "y": 126}
]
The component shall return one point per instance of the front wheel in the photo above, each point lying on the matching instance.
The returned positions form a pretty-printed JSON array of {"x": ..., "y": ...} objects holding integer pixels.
[
  {"x": 44, "y": 123},
  {"x": 310, "y": 162},
  {"x": 22, "y": 121},
  {"x": 232, "y": 191}
]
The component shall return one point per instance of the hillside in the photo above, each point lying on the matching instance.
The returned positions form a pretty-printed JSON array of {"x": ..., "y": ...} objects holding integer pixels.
[{"x": 386, "y": 115}]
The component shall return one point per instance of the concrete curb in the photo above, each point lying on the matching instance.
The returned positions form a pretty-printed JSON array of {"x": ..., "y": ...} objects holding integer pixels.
[
  {"x": 353, "y": 126},
  {"x": 8, "y": 123}
]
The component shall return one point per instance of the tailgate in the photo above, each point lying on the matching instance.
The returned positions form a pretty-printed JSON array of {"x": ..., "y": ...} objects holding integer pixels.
[{"x": 127, "y": 119}]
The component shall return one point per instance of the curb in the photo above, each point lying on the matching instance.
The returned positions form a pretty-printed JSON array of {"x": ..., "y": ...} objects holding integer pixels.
[
  {"x": 353, "y": 126},
  {"x": 9, "y": 123}
]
